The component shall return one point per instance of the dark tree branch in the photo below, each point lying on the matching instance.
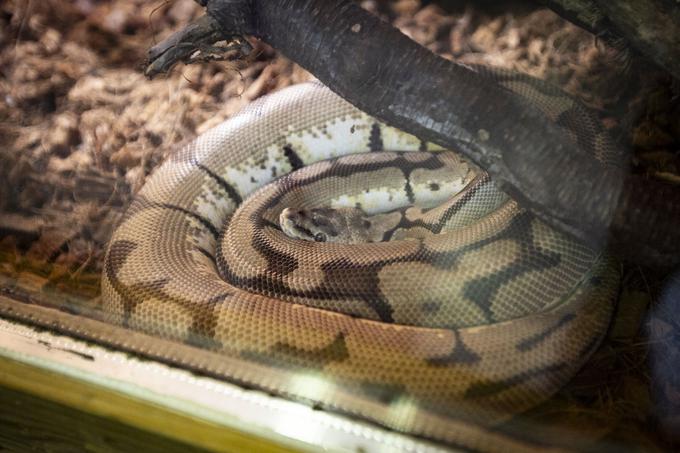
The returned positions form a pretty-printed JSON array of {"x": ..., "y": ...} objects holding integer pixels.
[
  {"x": 194, "y": 43},
  {"x": 652, "y": 27},
  {"x": 384, "y": 73}
]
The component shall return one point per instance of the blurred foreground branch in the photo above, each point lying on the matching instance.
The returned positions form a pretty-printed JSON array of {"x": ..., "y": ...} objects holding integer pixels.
[{"x": 384, "y": 73}]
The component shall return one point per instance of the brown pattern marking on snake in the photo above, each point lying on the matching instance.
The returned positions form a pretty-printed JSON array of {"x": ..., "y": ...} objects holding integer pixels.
[
  {"x": 293, "y": 158},
  {"x": 392, "y": 162},
  {"x": 482, "y": 290},
  {"x": 230, "y": 190},
  {"x": 140, "y": 203},
  {"x": 437, "y": 219},
  {"x": 287, "y": 356},
  {"x": 279, "y": 264},
  {"x": 212, "y": 229},
  {"x": 202, "y": 330},
  {"x": 375, "y": 141},
  {"x": 356, "y": 283},
  {"x": 345, "y": 279},
  {"x": 459, "y": 354},
  {"x": 118, "y": 254},
  {"x": 539, "y": 337},
  {"x": 485, "y": 388},
  {"x": 353, "y": 174},
  {"x": 385, "y": 393},
  {"x": 589, "y": 347}
]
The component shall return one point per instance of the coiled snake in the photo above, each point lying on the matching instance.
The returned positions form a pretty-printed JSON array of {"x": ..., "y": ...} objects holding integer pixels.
[{"x": 465, "y": 303}]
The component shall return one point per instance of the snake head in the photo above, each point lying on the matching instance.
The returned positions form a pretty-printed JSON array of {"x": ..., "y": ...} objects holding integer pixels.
[{"x": 340, "y": 225}]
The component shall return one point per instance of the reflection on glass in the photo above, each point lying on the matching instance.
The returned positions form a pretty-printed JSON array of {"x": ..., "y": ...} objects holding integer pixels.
[{"x": 365, "y": 275}]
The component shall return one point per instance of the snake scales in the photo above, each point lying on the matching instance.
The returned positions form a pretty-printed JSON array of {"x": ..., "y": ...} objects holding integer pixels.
[{"x": 472, "y": 307}]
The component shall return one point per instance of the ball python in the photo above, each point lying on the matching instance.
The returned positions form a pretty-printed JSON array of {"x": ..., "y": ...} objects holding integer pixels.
[{"x": 460, "y": 299}]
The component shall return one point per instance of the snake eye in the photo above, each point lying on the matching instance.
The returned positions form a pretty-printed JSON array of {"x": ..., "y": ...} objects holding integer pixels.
[{"x": 320, "y": 237}]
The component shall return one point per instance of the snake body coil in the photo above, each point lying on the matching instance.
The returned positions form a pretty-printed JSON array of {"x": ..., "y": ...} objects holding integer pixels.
[{"x": 472, "y": 307}]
